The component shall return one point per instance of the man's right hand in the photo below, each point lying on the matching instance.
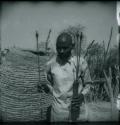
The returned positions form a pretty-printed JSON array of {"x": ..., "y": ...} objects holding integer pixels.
[
  {"x": 75, "y": 106},
  {"x": 77, "y": 101}
]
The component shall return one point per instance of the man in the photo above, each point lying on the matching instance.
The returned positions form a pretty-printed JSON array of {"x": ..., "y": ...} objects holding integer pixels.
[{"x": 61, "y": 73}]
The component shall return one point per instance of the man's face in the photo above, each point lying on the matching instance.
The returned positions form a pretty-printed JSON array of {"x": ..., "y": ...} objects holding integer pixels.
[{"x": 64, "y": 50}]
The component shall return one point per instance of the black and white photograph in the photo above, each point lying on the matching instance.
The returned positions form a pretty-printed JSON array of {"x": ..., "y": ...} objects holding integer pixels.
[{"x": 59, "y": 61}]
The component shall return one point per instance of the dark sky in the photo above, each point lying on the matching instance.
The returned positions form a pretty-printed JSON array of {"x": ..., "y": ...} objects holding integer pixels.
[{"x": 20, "y": 20}]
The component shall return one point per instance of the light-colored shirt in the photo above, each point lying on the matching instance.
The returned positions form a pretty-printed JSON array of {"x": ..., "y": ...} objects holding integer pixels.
[{"x": 61, "y": 85}]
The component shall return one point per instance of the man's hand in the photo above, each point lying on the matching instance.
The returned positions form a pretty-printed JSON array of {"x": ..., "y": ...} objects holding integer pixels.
[
  {"x": 77, "y": 101},
  {"x": 86, "y": 89},
  {"x": 50, "y": 77},
  {"x": 45, "y": 88},
  {"x": 75, "y": 106}
]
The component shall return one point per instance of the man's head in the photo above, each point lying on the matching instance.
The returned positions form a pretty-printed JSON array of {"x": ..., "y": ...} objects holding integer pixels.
[{"x": 64, "y": 45}]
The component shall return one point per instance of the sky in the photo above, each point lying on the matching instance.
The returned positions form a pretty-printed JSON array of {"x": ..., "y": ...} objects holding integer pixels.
[{"x": 20, "y": 20}]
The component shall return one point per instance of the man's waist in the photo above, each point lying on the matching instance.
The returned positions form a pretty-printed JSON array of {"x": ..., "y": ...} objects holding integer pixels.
[{"x": 61, "y": 106}]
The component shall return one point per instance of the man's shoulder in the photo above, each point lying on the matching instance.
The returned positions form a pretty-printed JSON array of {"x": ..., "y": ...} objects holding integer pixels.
[{"x": 52, "y": 60}]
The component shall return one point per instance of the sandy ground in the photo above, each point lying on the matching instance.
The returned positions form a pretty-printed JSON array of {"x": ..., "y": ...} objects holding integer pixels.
[{"x": 100, "y": 111}]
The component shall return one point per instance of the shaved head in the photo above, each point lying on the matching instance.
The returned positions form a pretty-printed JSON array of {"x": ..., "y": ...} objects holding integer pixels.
[
  {"x": 64, "y": 39},
  {"x": 64, "y": 46}
]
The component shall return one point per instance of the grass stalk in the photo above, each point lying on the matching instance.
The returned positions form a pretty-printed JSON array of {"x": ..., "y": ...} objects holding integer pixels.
[
  {"x": 109, "y": 82},
  {"x": 89, "y": 46}
]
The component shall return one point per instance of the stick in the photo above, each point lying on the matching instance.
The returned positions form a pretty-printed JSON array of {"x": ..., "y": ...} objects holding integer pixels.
[
  {"x": 89, "y": 46},
  {"x": 47, "y": 40},
  {"x": 38, "y": 60},
  {"x": 104, "y": 51},
  {"x": 109, "y": 42},
  {"x": 75, "y": 85}
]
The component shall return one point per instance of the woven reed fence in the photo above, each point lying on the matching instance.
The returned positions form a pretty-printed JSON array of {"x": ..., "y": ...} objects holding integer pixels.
[{"x": 19, "y": 96}]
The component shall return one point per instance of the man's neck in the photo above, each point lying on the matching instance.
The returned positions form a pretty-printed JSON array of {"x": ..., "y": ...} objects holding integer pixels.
[{"x": 63, "y": 61}]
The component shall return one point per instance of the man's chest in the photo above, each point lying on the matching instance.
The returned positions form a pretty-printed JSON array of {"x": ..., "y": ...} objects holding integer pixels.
[{"x": 65, "y": 72}]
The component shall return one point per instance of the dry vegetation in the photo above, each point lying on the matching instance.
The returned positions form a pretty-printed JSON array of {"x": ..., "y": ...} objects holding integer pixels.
[{"x": 104, "y": 71}]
